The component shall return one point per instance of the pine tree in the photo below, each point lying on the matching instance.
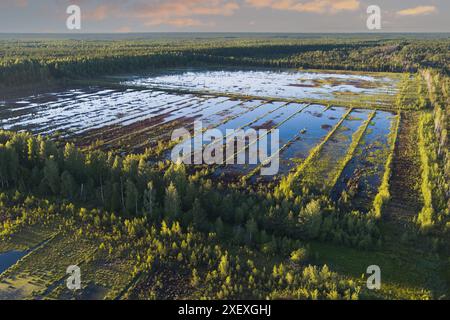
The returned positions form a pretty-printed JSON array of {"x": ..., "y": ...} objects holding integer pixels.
[
  {"x": 131, "y": 200},
  {"x": 195, "y": 278},
  {"x": 198, "y": 215},
  {"x": 220, "y": 230},
  {"x": 224, "y": 266},
  {"x": 149, "y": 202},
  {"x": 115, "y": 203},
  {"x": 68, "y": 185},
  {"x": 73, "y": 161},
  {"x": 51, "y": 175},
  {"x": 311, "y": 218},
  {"x": 172, "y": 205},
  {"x": 252, "y": 229},
  {"x": 33, "y": 151}
]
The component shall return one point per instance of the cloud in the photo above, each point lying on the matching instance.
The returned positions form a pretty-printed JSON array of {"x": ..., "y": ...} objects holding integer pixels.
[
  {"x": 178, "y": 13},
  {"x": 124, "y": 29},
  {"x": 101, "y": 12},
  {"x": 16, "y": 3},
  {"x": 167, "y": 9},
  {"x": 417, "y": 11},
  {"x": 177, "y": 22},
  {"x": 311, "y": 6},
  {"x": 22, "y": 3}
]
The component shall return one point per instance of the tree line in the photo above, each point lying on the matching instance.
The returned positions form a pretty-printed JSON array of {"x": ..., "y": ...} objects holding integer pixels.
[
  {"x": 27, "y": 61},
  {"x": 131, "y": 186}
]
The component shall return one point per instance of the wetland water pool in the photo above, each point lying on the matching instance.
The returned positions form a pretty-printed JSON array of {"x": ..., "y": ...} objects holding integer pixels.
[
  {"x": 291, "y": 84},
  {"x": 9, "y": 258},
  {"x": 145, "y": 107}
]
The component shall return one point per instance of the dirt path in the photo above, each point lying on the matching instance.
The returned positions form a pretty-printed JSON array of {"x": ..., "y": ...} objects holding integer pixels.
[{"x": 406, "y": 199}]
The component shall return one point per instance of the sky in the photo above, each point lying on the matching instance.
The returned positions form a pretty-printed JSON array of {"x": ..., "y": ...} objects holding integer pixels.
[{"x": 297, "y": 16}]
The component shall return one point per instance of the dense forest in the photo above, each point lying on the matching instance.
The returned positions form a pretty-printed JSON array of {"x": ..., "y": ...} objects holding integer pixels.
[
  {"x": 30, "y": 61},
  {"x": 133, "y": 187}
]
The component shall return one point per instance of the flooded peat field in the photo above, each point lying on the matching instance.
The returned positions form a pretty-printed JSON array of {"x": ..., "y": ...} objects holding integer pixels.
[
  {"x": 145, "y": 110},
  {"x": 290, "y": 84},
  {"x": 362, "y": 176}
]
